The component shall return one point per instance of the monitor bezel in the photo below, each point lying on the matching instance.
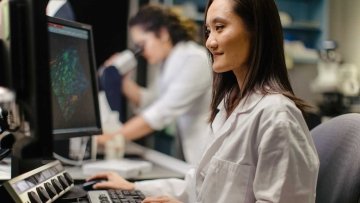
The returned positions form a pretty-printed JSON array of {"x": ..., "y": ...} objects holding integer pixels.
[{"x": 60, "y": 134}]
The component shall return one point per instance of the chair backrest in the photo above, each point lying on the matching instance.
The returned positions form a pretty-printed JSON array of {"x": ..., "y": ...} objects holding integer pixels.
[{"x": 338, "y": 144}]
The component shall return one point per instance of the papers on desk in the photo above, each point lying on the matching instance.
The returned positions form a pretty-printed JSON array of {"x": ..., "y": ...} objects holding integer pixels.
[
  {"x": 125, "y": 167},
  {"x": 159, "y": 158},
  {"x": 5, "y": 169}
]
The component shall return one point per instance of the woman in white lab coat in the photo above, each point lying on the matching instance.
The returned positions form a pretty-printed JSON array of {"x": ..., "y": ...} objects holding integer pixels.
[
  {"x": 183, "y": 90},
  {"x": 260, "y": 149}
]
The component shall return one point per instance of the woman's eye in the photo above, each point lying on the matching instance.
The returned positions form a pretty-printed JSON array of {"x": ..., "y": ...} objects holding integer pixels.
[
  {"x": 219, "y": 27},
  {"x": 207, "y": 31}
]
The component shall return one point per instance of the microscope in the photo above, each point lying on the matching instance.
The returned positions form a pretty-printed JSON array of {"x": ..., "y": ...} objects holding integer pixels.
[
  {"x": 337, "y": 82},
  {"x": 9, "y": 121}
]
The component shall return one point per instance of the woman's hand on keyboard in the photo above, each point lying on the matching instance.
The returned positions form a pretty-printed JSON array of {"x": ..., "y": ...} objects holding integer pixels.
[
  {"x": 159, "y": 199},
  {"x": 114, "y": 181}
]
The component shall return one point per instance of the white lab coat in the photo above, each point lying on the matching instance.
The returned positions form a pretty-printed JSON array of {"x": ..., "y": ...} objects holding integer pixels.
[
  {"x": 262, "y": 153},
  {"x": 183, "y": 95}
]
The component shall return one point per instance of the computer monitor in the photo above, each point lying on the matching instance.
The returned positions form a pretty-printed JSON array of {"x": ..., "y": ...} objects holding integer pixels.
[
  {"x": 24, "y": 69},
  {"x": 74, "y": 90}
]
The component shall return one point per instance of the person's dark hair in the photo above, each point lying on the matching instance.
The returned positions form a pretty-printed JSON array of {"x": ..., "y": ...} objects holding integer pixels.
[
  {"x": 267, "y": 70},
  {"x": 153, "y": 17}
]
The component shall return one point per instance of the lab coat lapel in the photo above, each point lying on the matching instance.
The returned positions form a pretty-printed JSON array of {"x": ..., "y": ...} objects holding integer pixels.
[
  {"x": 229, "y": 125},
  {"x": 219, "y": 137}
]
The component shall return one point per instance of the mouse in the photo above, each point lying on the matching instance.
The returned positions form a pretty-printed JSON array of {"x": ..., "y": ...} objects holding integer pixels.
[{"x": 88, "y": 185}]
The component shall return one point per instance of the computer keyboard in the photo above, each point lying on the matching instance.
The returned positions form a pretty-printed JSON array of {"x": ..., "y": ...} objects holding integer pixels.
[{"x": 115, "y": 196}]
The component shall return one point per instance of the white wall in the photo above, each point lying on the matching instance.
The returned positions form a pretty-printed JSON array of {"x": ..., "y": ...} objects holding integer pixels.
[{"x": 344, "y": 27}]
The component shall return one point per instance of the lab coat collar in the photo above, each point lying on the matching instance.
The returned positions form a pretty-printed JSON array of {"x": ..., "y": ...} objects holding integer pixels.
[
  {"x": 176, "y": 50},
  {"x": 246, "y": 104}
]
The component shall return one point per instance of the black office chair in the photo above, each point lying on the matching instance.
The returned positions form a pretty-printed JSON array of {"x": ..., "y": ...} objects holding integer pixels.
[{"x": 338, "y": 144}]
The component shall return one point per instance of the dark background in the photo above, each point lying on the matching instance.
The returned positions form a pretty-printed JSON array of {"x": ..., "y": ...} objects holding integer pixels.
[{"x": 109, "y": 21}]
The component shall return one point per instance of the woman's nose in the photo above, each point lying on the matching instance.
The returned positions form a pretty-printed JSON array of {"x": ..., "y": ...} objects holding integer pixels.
[{"x": 211, "y": 43}]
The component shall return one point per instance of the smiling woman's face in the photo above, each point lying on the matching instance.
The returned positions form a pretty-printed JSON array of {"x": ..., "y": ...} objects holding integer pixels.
[{"x": 228, "y": 39}]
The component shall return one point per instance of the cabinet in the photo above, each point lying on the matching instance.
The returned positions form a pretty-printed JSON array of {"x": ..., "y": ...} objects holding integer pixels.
[{"x": 309, "y": 21}]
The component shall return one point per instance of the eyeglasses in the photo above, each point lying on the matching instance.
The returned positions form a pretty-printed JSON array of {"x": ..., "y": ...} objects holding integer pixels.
[{"x": 138, "y": 49}]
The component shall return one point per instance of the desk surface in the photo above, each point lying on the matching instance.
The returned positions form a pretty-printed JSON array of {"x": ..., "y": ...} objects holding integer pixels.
[
  {"x": 164, "y": 166},
  {"x": 156, "y": 172}
]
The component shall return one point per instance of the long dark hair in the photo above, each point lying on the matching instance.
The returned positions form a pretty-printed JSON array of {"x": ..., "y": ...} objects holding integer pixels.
[
  {"x": 153, "y": 17},
  {"x": 267, "y": 70}
]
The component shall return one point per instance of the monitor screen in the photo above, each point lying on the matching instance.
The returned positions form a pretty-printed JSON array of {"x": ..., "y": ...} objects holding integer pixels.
[{"x": 74, "y": 89}]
